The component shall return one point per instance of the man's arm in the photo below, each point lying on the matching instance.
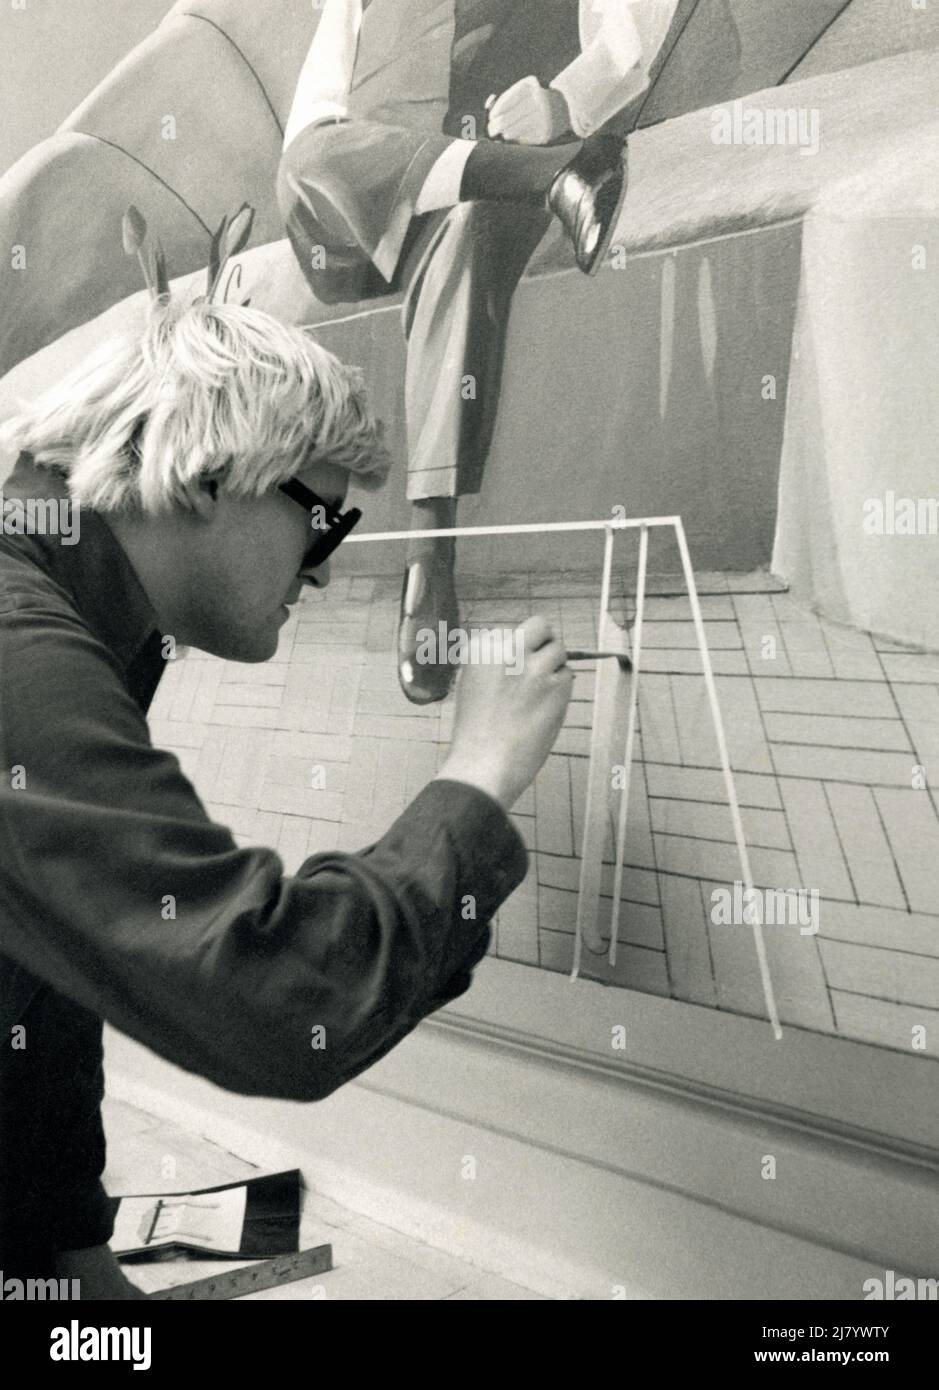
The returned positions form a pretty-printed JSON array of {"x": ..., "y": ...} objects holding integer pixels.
[
  {"x": 326, "y": 76},
  {"x": 621, "y": 39},
  {"x": 119, "y": 891}
]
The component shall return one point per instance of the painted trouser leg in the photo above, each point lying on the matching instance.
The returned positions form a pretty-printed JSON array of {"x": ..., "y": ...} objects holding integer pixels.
[
  {"x": 459, "y": 290},
  {"x": 346, "y": 193}
]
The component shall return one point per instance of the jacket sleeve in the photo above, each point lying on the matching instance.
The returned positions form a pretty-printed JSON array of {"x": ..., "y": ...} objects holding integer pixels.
[
  {"x": 609, "y": 71},
  {"x": 326, "y": 77},
  {"x": 117, "y": 889}
]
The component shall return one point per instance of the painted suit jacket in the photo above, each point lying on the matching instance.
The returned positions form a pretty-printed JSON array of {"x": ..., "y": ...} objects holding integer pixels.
[{"x": 619, "y": 40}]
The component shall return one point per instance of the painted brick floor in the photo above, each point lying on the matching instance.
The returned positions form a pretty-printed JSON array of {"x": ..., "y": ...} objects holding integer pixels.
[{"x": 834, "y": 741}]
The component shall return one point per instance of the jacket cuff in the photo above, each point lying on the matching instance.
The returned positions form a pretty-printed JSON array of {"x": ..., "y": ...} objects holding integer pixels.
[
  {"x": 465, "y": 829},
  {"x": 491, "y": 856},
  {"x": 601, "y": 81}
]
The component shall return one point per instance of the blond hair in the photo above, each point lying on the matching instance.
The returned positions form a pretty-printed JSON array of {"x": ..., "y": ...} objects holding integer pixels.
[{"x": 206, "y": 390}]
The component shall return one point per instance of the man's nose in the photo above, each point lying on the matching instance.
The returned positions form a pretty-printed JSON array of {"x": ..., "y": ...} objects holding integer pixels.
[{"x": 316, "y": 576}]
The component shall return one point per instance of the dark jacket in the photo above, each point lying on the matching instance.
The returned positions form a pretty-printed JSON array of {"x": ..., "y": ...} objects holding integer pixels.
[{"x": 100, "y": 831}]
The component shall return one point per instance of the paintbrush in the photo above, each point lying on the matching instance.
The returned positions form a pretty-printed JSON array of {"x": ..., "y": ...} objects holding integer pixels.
[{"x": 624, "y": 661}]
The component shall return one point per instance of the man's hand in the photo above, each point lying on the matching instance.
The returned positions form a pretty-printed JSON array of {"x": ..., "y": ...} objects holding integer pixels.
[
  {"x": 530, "y": 114},
  {"x": 508, "y": 716}
]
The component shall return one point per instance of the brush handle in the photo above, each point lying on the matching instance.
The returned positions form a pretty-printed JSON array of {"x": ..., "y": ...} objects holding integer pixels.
[{"x": 597, "y": 656}]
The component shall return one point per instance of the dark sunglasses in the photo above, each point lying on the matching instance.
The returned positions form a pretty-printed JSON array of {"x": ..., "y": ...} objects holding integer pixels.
[{"x": 337, "y": 524}]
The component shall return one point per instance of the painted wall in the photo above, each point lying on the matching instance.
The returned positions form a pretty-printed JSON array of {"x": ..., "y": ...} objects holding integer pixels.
[{"x": 52, "y": 52}]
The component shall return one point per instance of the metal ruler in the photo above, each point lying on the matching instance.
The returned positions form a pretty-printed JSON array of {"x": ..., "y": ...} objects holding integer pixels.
[{"x": 265, "y": 1274}]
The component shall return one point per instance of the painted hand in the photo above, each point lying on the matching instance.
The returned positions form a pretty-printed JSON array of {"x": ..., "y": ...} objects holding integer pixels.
[{"x": 530, "y": 114}]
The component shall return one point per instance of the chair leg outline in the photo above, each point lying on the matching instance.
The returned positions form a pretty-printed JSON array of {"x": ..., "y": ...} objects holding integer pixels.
[
  {"x": 614, "y": 690},
  {"x": 630, "y": 739},
  {"x": 729, "y": 784}
]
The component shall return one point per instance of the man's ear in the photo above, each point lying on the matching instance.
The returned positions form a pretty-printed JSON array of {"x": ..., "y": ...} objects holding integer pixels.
[{"x": 201, "y": 496}]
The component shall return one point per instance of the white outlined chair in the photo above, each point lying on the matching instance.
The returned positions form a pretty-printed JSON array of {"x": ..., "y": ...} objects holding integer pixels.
[{"x": 615, "y": 711}]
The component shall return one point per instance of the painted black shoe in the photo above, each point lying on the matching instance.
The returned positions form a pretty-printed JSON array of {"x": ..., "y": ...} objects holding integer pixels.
[
  {"x": 429, "y": 612},
  {"x": 587, "y": 196}
]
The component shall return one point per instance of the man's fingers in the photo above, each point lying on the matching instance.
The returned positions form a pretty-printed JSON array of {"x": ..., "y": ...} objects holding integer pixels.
[
  {"x": 535, "y": 632},
  {"x": 518, "y": 133},
  {"x": 514, "y": 99},
  {"x": 508, "y": 102},
  {"x": 505, "y": 125},
  {"x": 502, "y": 110},
  {"x": 552, "y": 656},
  {"x": 518, "y": 94}
]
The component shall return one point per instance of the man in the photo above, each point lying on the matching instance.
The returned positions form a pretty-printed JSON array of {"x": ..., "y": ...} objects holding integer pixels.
[
  {"x": 386, "y": 183},
  {"x": 202, "y": 451}
]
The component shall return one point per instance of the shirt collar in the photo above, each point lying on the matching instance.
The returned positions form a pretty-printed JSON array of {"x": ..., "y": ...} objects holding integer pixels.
[{"x": 94, "y": 568}]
